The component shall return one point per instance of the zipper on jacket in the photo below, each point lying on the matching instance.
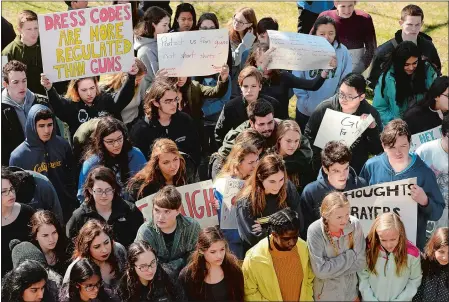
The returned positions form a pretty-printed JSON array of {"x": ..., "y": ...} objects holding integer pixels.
[{"x": 386, "y": 262}]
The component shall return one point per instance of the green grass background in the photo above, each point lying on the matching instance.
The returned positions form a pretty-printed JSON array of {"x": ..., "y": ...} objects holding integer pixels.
[{"x": 385, "y": 17}]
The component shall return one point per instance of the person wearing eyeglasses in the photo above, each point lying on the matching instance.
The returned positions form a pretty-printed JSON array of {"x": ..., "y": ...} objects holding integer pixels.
[
  {"x": 103, "y": 202},
  {"x": 112, "y": 148},
  {"x": 83, "y": 283},
  {"x": 349, "y": 99},
  {"x": 146, "y": 279},
  {"x": 164, "y": 120},
  {"x": 15, "y": 219},
  {"x": 404, "y": 82}
]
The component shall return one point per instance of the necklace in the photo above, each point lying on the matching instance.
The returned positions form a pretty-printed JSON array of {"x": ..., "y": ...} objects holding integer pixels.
[{"x": 9, "y": 215}]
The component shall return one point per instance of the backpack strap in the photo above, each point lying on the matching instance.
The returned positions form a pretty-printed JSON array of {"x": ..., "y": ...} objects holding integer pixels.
[{"x": 394, "y": 42}]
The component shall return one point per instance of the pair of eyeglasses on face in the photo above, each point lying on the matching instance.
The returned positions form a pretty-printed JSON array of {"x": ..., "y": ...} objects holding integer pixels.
[
  {"x": 100, "y": 192},
  {"x": 343, "y": 96},
  {"x": 91, "y": 287},
  {"x": 446, "y": 95},
  {"x": 113, "y": 141},
  {"x": 170, "y": 101},
  {"x": 239, "y": 22},
  {"x": 145, "y": 267},
  {"x": 8, "y": 191}
]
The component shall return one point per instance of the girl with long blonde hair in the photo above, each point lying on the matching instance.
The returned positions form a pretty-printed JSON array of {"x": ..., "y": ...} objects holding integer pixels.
[
  {"x": 393, "y": 271},
  {"x": 337, "y": 250},
  {"x": 266, "y": 191},
  {"x": 165, "y": 167},
  {"x": 240, "y": 163}
]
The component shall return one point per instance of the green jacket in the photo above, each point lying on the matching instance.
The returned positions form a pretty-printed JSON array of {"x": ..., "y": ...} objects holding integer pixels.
[
  {"x": 385, "y": 103},
  {"x": 197, "y": 93},
  {"x": 31, "y": 57},
  {"x": 186, "y": 236},
  {"x": 299, "y": 163}
]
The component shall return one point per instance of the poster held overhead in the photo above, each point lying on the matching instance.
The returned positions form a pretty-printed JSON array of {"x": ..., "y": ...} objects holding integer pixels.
[
  {"x": 193, "y": 53},
  {"x": 86, "y": 42},
  {"x": 301, "y": 52}
]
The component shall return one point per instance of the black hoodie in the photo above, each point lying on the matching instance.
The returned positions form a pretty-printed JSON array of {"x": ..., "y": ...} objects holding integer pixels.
[
  {"x": 384, "y": 51},
  {"x": 368, "y": 143}
]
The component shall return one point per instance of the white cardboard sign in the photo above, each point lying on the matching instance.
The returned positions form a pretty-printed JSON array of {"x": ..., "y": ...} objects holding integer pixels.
[
  {"x": 341, "y": 127},
  {"x": 193, "y": 53},
  {"x": 86, "y": 42},
  {"x": 302, "y": 52},
  {"x": 368, "y": 202}
]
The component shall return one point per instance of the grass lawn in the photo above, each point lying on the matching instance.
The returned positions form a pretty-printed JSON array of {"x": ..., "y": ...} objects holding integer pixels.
[{"x": 385, "y": 16}]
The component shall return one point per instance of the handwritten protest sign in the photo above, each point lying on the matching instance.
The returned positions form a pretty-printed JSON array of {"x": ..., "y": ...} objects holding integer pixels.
[
  {"x": 367, "y": 203},
  {"x": 86, "y": 42},
  {"x": 423, "y": 137},
  {"x": 295, "y": 51},
  {"x": 197, "y": 203},
  {"x": 228, "y": 207},
  {"x": 193, "y": 53},
  {"x": 342, "y": 127}
]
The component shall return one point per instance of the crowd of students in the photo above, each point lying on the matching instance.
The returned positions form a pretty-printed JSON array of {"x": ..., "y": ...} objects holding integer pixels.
[{"x": 77, "y": 156}]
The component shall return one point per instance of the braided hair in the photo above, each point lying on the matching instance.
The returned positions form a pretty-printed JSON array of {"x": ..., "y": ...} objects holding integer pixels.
[{"x": 283, "y": 221}]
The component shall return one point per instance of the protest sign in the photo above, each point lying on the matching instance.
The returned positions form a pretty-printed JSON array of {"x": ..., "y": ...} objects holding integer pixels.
[
  {"x": 86, "y": 42},
  {"x": 197, "y": 203},
  {"x": 228, "y": 207},
  {"x": 367, "y": 203},
  {"x": 342, "y": 127},
  {"x": 295, "y": 51},
  {"x": 193, "y": 53},
  {"x": 423, "y": 137}
]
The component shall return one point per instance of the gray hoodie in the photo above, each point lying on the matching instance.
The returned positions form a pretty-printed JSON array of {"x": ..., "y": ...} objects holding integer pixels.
[
  {"x": 336, "y": 275},
  {"x": 21, "y": 110},
  {"x": 147, "y": 52}
]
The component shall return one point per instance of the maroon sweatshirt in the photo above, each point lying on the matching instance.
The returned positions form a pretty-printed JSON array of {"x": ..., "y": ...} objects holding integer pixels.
[{"x": 356, "y": 32}]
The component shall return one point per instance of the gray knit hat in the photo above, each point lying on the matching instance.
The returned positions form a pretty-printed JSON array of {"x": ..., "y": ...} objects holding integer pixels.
[{"x": 22, "y": 251}]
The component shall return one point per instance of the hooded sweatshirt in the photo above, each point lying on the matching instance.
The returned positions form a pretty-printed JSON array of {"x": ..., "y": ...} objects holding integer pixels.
[
  {"x": 147, "y": 52},
  {"x": 368, "y": 143},
  {"x": 309, "y": 100},
  {"x": 378, "y": 170},
  {"x": 386, "y": 285},
  {"x": 335, "y": 275},
  {"x": 313, "y": 194},
  {"x": 37, "y": 191},
  {"x": 13, "y": 121},
  {"x": 53, "y": 159},
  {"x": 383, "y": 52}
]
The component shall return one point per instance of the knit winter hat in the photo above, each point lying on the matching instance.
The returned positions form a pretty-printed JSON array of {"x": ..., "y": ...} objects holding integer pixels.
[{"x": 22, "y": 251}]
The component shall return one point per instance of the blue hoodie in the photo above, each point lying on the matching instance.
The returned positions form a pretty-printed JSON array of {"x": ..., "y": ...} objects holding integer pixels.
[
  {"x": 53, "y": 159},
  {"x": 314, "y": 192},
  {"x": 378, "y": 170},
  {"x": 308, "y": 100}
]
